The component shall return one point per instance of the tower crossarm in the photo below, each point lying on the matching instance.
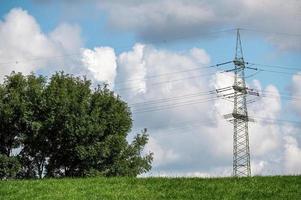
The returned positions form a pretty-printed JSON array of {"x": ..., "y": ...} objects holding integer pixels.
[
  {"x": 240, "y": 89},
  {"x": 239, "y": 63},
  {"x": 231, "y": 116}
]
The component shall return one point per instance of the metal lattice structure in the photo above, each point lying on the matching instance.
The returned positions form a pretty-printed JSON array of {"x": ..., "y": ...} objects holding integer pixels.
[
  {"x": 241, "y": 149},
  {"x": 239, "y": 117}
]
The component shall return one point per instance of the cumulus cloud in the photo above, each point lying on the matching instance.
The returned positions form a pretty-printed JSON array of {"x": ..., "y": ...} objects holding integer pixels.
[
  {"x": 292, "y": 156},
  {"x": 180, "y": 140},
  {"x": 101, "y": 63},
  {"x": 193, "y": 139},
  {"x": 25, "y": 48},
  {"x": 132, "y": 69},
  {"x": 22, "y": 39},
  {"x": 265, "y": 137},
  {"x": 171, "y": 19},
  {"x": 163, "y": 156},
  {"x": 189, "y": 135},
  {"x": 292, "y": 138},
  {"x": 67, "y": 36}
]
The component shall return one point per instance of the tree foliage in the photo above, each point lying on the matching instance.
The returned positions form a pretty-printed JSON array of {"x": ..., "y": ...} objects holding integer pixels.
[
  {"x": 12, "y": 112},
  {"x": 64, "y": 128},
  {"x": 9, "y": 166}
]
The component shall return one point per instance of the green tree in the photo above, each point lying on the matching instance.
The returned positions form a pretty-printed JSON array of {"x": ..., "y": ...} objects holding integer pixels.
[
  {"x": 67, "y": 122},
  {"x": 90, "y": 131},
  {"x": 12, "y": 112},
  {"x": 9, "y": 166},
  {"x": 34, "y": 144},
  {"x": 63, "y": 128}
]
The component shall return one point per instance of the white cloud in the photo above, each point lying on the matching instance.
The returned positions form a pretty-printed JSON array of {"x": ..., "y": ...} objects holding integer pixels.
[
  {"x": 25, "y": 48},
  {"x": 292, "y": 139},
  {"x": 154, "y": 68},
  {"x": 170, "y": 19},
  {"x": 132, "y": 69},
  {"x": 195, "y": 140},
  {"x": 101, "y": 62},
  {"x": 162, "y": 156},
  {"x": 292, "y": 156},
  {"x": 258, "y": 167},
  {"x": 67, "y": 36},
  {"x": 265, "y": 137},
  {"x": 200, "y": 56},
  {"x": 21, "y": 40}
]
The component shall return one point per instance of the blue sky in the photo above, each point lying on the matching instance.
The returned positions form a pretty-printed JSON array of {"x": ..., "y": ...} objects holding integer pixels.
[
  {"x": 96, "y": 32},
  {"x": 170, "y": 32}
]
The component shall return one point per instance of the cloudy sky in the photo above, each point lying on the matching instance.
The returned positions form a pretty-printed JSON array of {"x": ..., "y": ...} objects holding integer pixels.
[{"x": 156, "y": 54}]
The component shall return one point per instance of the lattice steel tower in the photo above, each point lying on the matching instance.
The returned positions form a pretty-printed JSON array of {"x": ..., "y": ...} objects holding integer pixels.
[
  {"x": 239, "y": 117},
  {"x": 241, "y": 149}
]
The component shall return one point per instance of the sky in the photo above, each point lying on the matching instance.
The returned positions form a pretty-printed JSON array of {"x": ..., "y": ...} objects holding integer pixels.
[{"x": 155, "y": 55}]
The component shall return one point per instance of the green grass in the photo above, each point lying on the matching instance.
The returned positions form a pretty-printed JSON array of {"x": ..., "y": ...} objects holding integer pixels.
[{"x": 277, "y": 187}]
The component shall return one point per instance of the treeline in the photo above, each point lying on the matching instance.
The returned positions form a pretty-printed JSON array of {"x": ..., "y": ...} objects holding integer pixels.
[{"x": 60, "y": 127}]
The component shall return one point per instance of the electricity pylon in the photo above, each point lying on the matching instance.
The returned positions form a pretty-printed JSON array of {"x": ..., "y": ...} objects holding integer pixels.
[{"x": 239, "y": 117}]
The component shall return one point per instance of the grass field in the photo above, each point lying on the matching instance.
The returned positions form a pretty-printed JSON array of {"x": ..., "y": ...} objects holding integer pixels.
[{"x": 277, "y": 187}]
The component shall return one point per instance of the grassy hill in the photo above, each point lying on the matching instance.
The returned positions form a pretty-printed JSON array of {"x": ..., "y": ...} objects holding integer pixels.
[{"x": 278, "y": 187}]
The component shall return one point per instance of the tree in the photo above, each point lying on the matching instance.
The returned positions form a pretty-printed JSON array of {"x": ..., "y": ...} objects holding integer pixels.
[
  {"x": 64, "y": 128},
  {"x": 67, "y": 122},
  {"x": 34, "y": 144},
  {"x": 12, "y": 112},
  {"x": 129, "y": 161},
  {"x": 90, "y": 131},
  {"x": 9, "y": 166}
]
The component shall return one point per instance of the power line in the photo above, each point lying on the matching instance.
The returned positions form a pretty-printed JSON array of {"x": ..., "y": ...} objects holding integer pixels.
[
  {"x": 271, "y": 32},
  {"x": 161, "y": 106},
  {"x": 162, "y": 100},
  {"x": 165, "y": 105},
  {"x": 269, "y": 120},
  {"x": 173, "y": 106},
  {"x": 169, "y": 81},
  {"x": 277, "y": 66},
  {"x": 192, "y": 96},
  {"x": 182, "y": 125},
  {"x": 189, "y": 101},
  {"x": 180, "y": 96},
  {"x": 293, "y": 98},
  {"x": 120, "y": 89},
  {"x": 171, "y": 73},
  {"x": 278, "y": 72},
  {"x": 211, "y": 66}
]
